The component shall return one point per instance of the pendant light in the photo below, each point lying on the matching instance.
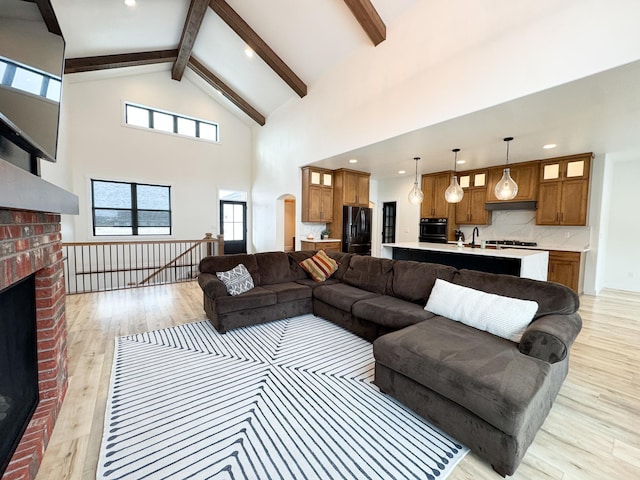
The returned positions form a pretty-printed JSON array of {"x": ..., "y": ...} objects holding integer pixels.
[
  {"x": 416, "y": 195},
  {"x": 454, "y": 192},
  {"x": 506, "y": 188}
]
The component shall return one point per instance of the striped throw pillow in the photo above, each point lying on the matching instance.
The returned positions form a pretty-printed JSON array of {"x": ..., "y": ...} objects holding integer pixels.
[{"x": 320, "y": 266}]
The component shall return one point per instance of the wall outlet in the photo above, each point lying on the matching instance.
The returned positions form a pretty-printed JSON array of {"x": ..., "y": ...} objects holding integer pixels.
[{"x": 567, "y": 234}]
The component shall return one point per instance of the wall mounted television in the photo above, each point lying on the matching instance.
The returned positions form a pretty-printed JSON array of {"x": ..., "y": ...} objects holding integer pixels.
[{"x": 31, "y": 68}]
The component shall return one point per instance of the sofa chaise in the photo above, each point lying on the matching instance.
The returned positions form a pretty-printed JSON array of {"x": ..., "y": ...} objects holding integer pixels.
[{"x": 490, "y": 393}]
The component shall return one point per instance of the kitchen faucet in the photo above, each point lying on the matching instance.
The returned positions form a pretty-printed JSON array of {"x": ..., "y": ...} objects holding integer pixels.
[{"x": 473, "y": 236}]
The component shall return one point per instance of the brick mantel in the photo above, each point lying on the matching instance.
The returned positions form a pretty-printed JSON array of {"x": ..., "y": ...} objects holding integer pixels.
[{"x": 30, "y": 243}]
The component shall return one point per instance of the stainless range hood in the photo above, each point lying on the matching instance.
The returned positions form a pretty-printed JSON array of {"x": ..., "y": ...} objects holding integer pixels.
[{"x": 521, "y": 205}]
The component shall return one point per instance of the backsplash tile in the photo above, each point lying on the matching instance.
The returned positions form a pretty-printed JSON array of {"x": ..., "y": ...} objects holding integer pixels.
[{"x": 521, "y": 225}]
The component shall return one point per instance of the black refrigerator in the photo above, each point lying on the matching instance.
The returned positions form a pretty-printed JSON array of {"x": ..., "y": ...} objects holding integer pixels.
[{"x": 356, "y": 230}]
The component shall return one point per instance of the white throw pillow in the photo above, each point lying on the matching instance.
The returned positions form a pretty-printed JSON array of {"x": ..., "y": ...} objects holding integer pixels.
[
  {"x": 505, "y": 317},
  {"x": 237, "y": 280}
]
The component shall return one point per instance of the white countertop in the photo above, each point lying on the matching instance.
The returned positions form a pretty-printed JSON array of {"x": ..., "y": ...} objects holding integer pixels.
[
  {"x": 453, "y": 248},
  {"x": 560, "y": 248},
  {"x": 319, "y": 240}
]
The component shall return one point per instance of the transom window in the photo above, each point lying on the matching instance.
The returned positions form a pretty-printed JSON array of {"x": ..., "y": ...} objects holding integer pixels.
[
  {"x": 122, "y": 208},
  {"x": 147, "y": 117},
  {"x": 30, "y": 80}
]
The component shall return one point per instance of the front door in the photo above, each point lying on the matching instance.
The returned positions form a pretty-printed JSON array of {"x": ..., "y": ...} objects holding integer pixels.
[{"x": 233, "y": 225}]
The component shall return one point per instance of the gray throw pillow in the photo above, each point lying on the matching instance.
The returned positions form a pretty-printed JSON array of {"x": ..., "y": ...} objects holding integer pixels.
[{"x": 237, "y": 280}]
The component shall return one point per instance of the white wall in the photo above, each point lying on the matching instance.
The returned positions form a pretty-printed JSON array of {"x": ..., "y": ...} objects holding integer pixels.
[
  {"x": 440, "y": 60},
  {"x": 622, "y": 265},
  {"x": 95, "y": 143},
  {"x": 407, "y": 215}
]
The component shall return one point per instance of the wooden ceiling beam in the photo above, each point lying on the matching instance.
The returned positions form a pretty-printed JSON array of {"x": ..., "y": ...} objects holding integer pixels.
[
  {"x": 259, "y": 46},
  {"x": 225, "y": 90},
  {"x": 104, "y": 62},
  {"x": 49, "y": 16},
  {"x": 369, "y": 20},
  {"x": 197, "y": 9}
]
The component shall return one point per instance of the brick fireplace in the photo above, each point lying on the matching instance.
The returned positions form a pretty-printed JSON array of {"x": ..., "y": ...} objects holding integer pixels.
[{"x": 30, "y": 243}]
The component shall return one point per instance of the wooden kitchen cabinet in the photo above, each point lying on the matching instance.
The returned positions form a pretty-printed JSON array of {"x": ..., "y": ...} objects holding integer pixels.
[
  {"x": 563, "y": 194},
  {"x": 471, "y": 210},
  {"x": 434, "y": 204},
  {"x": 335, "y": 245},
  {"x": 525, "y": 174},
  {"x": 352, "y": 187},
  {"x": 317, "y": 195},
  {"x": 566, "y": 268}
]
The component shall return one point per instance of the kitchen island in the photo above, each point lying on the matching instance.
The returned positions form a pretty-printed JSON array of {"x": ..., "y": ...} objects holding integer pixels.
[{"x": 511, "y": 261}]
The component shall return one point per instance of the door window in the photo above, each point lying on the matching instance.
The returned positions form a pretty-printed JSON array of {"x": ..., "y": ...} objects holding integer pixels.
[
  {"x": 389, "y": 222},
  {"x": 233, "y": 226}
]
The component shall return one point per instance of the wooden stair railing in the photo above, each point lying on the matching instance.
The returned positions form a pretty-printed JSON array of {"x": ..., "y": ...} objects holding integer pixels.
[{"x": 212, "y": 247}]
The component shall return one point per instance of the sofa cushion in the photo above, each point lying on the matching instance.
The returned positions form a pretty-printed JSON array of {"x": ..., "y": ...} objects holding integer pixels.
[
  {"x": 343, "y": 260},
  {"x": 320, "y": 266},
  {"x": 505, "y": 317},
  {"x": 222, "y": 263},
  {"x": 289, "y": 291},
  {"x": 255, "y": 298},
  {"x": 313, "y": 284},
  {"x": 296, "y": 271},
  {"x": 369, "y": 273},
  {"x": 413, "y": 281},
  {"x": 483, "y": 373},
  {"x": 274, "y": 267},
  {"x": 390, "y": 311},
  {"x": 551, "y": 297},
  {"x": 237, "y": 280},
  {"x": 340, "y": 295}
]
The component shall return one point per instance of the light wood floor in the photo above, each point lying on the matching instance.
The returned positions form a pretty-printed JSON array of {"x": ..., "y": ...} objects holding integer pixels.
[{"x": 592, "y": 432}]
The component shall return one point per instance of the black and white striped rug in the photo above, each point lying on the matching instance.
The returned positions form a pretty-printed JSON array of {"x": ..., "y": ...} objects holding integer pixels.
[{"x": 283, "y": 400}]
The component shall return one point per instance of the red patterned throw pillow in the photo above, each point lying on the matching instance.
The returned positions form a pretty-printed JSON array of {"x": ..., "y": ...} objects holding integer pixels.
[{"x": 320, "y": 266}]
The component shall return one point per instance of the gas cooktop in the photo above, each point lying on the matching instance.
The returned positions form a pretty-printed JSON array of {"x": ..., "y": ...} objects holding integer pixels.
[{"x": 517, "y": 243}]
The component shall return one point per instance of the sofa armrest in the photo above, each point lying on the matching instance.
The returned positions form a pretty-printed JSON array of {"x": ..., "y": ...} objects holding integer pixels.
[
  {"x": 212, "y": 286},
  {"x": 550, "y": 337}
]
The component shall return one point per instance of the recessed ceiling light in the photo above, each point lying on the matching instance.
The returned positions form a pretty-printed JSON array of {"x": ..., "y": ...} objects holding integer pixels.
[
  {"x": 460, "y": 162},
  {"x": 549, "y": 145},
  {"x": 402, "y": 172},
  {"x": 353, "y": 160},
  {"x": 130, "y": 3},
  {"x": 248, "y": 52}
]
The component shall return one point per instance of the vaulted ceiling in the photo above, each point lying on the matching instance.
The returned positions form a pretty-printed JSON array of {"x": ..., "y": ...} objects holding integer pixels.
[
  {"x": 294, "y": 43},
  {"x": 258, "y": 55}
]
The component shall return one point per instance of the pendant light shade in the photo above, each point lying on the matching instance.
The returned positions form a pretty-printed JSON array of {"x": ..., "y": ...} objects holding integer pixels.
[
  {"x": 416, "y": 195},
  {"x": 454, "y": 192},
  {"x": 506, "y": 188}
]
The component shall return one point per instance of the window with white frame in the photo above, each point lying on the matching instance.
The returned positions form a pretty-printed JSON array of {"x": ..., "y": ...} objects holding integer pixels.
[
  {"x": 123, "y": 208},
  {"x": 155, "y": 119}
]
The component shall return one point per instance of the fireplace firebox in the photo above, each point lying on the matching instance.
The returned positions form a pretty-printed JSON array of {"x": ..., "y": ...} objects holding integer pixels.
[{"x": 18, "y": 364}]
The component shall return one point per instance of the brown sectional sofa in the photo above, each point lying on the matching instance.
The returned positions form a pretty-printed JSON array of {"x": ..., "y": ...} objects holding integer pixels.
[{"x": 489, "y": 393}]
